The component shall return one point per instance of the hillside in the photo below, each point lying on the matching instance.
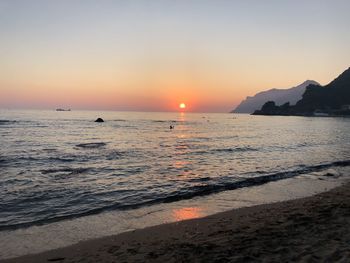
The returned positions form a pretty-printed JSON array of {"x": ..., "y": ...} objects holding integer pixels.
[
  {"x": 279, "y": 96},
  {"x": 332, "y": 99}
]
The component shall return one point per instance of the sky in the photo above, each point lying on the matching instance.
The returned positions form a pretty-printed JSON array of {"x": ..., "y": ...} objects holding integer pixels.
[{"x": 152, "y": 55}]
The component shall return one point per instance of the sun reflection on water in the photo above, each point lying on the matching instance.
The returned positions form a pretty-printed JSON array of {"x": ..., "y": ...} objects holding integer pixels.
[
  {"x": 187, "y": 213},
  {"x": 180, "y": 164}
]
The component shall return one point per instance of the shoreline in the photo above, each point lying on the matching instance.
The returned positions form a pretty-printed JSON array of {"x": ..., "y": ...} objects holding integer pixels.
[
  {"x": 39, "y": 239},
  {"x": 310, "y": 228}
]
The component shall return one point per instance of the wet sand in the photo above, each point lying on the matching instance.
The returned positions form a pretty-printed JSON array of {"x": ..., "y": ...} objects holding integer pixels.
[{"x": 312, "y": 229}]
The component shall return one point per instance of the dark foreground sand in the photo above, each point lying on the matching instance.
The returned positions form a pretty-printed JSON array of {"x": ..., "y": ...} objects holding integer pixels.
[{"x": 312, "y": 229}]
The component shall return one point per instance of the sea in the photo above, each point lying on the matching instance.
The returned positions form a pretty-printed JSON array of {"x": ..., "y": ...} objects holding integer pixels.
[{"x": 65, "y": 178}]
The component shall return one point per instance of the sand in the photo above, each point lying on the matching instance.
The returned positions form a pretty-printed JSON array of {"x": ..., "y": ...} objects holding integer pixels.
[{"x": 312, "y": 229}]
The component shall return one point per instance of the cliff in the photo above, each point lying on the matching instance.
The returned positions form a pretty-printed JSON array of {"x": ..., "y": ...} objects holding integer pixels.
[
  {"x": 332, "y": 99},
  {"x": 279, "y": 96}
]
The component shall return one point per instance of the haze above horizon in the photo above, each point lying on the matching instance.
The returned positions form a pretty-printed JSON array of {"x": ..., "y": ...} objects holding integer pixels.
[{"x": 154, "y": 55}]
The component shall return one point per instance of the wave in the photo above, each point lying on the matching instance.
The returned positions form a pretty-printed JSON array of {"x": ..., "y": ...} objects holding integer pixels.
[
  {"x": 91, "y": 145},
  {"x": 235, "y": 149},
  {"x": 216, "y": 187},
  {"x": 115, "y": 155},
  {"x": 50, "y": 156},
  {"x": 67, "y": 170},
  {"x": 166, "y": 121},
  {"x": 49, "y": 150},
  {"x": 226, "y": 150},
  {"x": 212, "y": 186},
  {"x": 7, "y": 121}
]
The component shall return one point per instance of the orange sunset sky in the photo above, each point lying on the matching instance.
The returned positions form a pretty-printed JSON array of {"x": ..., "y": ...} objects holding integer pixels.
[{"x": 153, "y": 55}]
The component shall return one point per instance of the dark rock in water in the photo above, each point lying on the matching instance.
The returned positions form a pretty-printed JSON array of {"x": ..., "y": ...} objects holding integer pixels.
[
  {"x": 99, "y": 120},
  {"x": 270, "y": 108}
]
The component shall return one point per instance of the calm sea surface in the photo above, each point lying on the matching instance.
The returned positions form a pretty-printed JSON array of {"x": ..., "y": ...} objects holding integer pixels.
[{"x": 60, "y": 165}]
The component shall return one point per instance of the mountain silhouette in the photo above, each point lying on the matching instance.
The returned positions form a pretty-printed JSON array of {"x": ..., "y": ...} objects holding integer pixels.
[
  {"x": 331, "y": 99},
  {"x": 332, "y": 96},
  {"x": 279, "y": 96}
]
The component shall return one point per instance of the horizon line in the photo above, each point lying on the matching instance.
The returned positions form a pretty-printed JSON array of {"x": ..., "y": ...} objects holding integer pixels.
[{"x": 146, "y": 111}]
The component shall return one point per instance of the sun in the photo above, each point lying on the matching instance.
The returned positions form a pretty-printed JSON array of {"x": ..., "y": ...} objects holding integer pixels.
[{"x": 182, "y": 105}]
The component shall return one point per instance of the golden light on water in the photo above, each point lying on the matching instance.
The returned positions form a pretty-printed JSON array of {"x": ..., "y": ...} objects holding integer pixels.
[{"x": 187, "y": 213}]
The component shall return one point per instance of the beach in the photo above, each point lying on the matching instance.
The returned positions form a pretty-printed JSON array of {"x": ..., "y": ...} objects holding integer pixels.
[
  {"x": 174, "y": 131},
  {"x": 311, "y": 229}
]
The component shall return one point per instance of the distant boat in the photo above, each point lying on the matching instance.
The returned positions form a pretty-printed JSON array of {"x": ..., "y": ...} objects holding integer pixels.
[{"x": 63, "y": 109}]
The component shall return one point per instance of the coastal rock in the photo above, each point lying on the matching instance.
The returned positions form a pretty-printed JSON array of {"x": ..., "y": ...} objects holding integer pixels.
[{"x": 99, "y": 120}]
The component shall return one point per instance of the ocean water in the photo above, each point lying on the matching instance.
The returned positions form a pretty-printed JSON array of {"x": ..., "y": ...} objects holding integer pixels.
[{"x": 62, "y": 165}]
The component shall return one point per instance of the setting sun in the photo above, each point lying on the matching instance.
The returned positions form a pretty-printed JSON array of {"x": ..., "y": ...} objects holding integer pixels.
[{"x": 182, "y": 106}]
